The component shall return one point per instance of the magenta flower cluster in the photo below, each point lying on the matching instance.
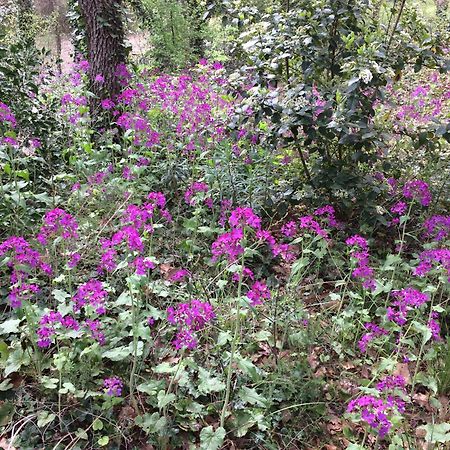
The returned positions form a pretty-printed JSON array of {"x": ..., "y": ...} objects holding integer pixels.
[
  {"x": 417, "y": 190},
  {"x": 48, "y": 324},
  {"x": 90, "y": 294},
  {"x": 405, "y": 300},
  {"x": 136, "y": 222},
  {"x": 58, "y": 222},
  {"x": 189, "y": 318},
  {"x": 377, "y": 412},
  {"x": 360, "y": 253},
  {"x": 194, "y": 189},
  {"x": 22, "y": 260},
  {"x": 113, "y": 386}
]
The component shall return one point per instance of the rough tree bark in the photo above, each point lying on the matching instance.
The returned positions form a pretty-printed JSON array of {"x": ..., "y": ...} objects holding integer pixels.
[{"x": 105, "y": 47}]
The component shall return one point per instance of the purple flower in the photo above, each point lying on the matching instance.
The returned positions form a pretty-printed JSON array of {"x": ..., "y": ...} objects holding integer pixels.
[
  {"x": 113, "y": 386},
  {"x": 428, "y": 258},
  {"x": 376, "y": 411},
  {"x": 406, "y": 300},
  {"x": 392, "y": 382},
  {"x": 437, "y": 227},
  {"x": 189, "y": 318},
  {"x": 180, "y": 275},
  {"x": 289, "y": 229},
  {"x": 329, "y": 212},
  {"x": 6, "y": 116},
  {"x": 362, "y": 270},
  {"x": 90, "y": 294},
  {"x": 374, "y": 331},
  {"x": 94, "y": 327},
  {"x": 399, "y": 208},
  {"x": 143, "y": 265},
  {"x": 57, "y": 221},
  {"x": 258, "y": 292},
  {"x": 241, "y": 217},
  {"x": 193, "y": 189},
  {"x": 307, "y": 222},
  {"x": 229, "y": 244},
  {"x": 417, "y": 190}
]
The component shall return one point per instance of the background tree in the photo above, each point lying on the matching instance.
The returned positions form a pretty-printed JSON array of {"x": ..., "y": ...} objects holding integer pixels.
[{"x": 105, "y": 47}]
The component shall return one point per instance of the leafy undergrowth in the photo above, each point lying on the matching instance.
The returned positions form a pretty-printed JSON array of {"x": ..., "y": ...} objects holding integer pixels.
[{"x": 158, "y": 302}]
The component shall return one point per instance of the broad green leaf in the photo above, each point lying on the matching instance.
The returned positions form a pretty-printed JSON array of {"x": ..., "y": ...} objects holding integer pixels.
[
  {"x": 151, "y": 387},
  {"x": 104, "y": 440},
  {"x": 209, "y": 384},
  {"x": 151, "y": 423},
  {"x": 249, "y": 395},
  {"x": 97, "y": 425},
  {"x": 44, "y": 418},
  {"x": 117, "y": 354},
  {"x": 437, "y": 433},
  {"x": 16, "y": 360},
  {"x": 5, "y": 385},
  {"x": 164, "y": 399},
  {"x": 211, "y": 439},
  {"x": 10, "y": 326}
]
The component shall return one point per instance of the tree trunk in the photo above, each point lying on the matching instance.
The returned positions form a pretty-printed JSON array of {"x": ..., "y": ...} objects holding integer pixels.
[{"x": 105, "y": 48}]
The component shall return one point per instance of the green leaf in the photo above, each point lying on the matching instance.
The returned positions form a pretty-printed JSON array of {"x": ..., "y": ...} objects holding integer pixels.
[
  {"x": 164, "y": 400},
  {"x": 10, "y": 326},
  {"x": 5, "y": 385},
  {"x": 151, "y": 423},
  {"x": 60, "y": 295},
  {"x": 223, "y": 338},
  {"x": 49, "y": 383},
  {"x": 44, "y": 418},
  {"x": 210, "y": 439},
  {"x": 249, "y": 395},
  {"x": 16, "y": 360},
  {"x": 117, "y": 354},
  {"x": 209, "y": 384},
  {"x": 104, "y": 440},
  {"x": 152, "y": 387},
  {"x": 4, "y": 351},
  {"x": 97, "y": 425},
  {"x": 437, "y": 433}
]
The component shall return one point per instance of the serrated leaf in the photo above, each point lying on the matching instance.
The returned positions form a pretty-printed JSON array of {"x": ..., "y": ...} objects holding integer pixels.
[{"x": 211, "y": 439}]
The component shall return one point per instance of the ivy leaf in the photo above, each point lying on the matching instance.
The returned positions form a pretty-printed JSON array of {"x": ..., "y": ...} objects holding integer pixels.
[
  {"x": 104, "y": 440},
  {"x": 44, "y": 418},
  {"x": 210, "y": 439},
  {"x": 97, "y": 425}
]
